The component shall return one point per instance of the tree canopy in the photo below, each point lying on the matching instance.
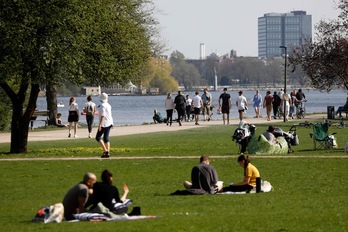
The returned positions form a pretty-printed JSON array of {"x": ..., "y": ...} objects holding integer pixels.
[
  {"x": 48, "y": 41},
  {"x": 325, "y": 60}
]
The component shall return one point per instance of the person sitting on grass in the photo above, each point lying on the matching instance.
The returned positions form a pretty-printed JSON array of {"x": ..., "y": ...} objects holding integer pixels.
[
  {"x": 59, "y": 121},
  {"x": 204, "y": 178},
  {"x": 109, "y": 196},
  {"x": 269, "y": 135},
  {"x": 249, "y": 180},
  {"x": 342, "y": 109},
  {"x": 76, "y": 198},
  {"x": 157, "y": 117}
]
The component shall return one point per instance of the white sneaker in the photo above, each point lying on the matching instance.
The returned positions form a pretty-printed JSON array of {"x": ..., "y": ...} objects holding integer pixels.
[
  {"x": 89, "y": 136},
  {"x": 75, "y": 136}
]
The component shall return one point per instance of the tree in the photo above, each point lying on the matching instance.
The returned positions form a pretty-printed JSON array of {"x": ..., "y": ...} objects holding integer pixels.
[
  {"x": 159, "y": 75},
  {"x": 186, "y": 74},
  {"x": 325, "y": 61},
  {"x": 44, "y": 42}
]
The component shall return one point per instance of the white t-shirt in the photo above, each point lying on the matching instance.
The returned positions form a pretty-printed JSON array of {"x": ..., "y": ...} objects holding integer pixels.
[
  {"x": 197, "y": 101},
  {"x": 241, "y": 101},
  {"x": 105, "y": 110},
  {"x": 169, "y": 104},
  {"x": 73, "y": 107},
  {"x": 87, "y": 104},
  {"x": 286, "y": 97},
  {"x": 188, "y": 102}
]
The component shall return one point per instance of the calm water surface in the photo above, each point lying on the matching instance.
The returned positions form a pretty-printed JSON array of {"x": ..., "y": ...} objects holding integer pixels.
[{"x": 136, "y": 110}]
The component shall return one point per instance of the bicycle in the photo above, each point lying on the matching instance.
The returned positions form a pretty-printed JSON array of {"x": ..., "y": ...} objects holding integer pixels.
[{"x": 301, "y": 109}]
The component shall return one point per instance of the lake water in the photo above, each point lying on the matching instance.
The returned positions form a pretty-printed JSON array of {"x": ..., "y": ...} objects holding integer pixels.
[{"x": 136, "y": 110}]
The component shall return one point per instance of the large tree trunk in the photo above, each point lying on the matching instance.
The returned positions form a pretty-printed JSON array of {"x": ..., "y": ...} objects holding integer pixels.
[
  {"x": 21, "y": 119},
  {"x": 51, "y": 98}
]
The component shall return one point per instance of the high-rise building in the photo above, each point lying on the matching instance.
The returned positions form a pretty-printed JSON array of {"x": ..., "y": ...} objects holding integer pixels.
[{"x": 282, "y": 29}]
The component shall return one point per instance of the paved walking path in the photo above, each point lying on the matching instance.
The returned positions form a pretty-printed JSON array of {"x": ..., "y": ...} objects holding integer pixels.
[{"x": 62, "y": 133}]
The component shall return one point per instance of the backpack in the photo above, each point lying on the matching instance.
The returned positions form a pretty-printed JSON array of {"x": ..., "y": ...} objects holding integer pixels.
[{"x": 89, "y": 110}]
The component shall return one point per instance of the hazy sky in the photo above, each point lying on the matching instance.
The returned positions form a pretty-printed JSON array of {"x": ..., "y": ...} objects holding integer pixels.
[{"x": 223, "y": 25}]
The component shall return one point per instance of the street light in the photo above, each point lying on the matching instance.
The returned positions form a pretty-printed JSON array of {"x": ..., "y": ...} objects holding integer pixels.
[{"x": 285, "y": 57}]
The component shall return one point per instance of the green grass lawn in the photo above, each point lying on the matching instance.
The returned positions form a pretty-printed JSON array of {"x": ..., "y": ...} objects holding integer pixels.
[{"x": 310, "y": 193}]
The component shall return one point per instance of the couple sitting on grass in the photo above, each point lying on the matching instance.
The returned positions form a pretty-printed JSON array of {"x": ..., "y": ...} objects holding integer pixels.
[
  {"x": 205, "y": 179},
  {"x": 89, "y": 192}
]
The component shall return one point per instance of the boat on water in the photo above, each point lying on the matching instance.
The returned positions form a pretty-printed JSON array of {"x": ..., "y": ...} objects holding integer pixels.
[{"x": 60, "y": 104}]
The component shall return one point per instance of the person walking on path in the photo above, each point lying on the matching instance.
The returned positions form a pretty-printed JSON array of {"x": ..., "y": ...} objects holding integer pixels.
[
  {"x": 89, "y": 110},
  {"x": 242, "y": 105},
  {"x": 105, "y": 124},
  {"x": 287, "y": 100},
  {"x": 207, "y": 99},
  {"x": 257, "y": 103},
  {"x": 179, "y": 102},
  {"x": 197, "y": 105},
  {"x": 188, "y": 107},
  {"x": 73, "y": 116},
  {"x": 276, "y": 104},
  {"x": 267, "y": 103},
  {"x": 169, "y": 106},
  {"x": 225, "y": 103}
]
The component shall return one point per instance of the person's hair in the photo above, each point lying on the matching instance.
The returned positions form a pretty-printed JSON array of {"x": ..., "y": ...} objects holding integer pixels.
[
  {"x": 270, "y": 128},
  {"x": 225, "y": 89},
  {"x": 59, "y": 114},
  {"x": 88, "y": 176},
  {"x": 246, "y": 161},
  {"x": 268, "y": 92},
  {"x": 105, "y": 176},
  {"x": 204, "y": 158},
  {"x": 196, "y": 93},
  {"x": 89, "y": 98},
  {"x": 169, "y": 95},
  {"x": 300, "y": 90},
  {"x": 72, "y": 99},
  {"x": 187, "y": 95}
]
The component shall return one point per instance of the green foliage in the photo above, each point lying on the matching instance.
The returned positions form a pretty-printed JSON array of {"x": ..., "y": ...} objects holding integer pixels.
[
  {"x": 324, "y": 60},
  {"x": 46, "y": 42}
]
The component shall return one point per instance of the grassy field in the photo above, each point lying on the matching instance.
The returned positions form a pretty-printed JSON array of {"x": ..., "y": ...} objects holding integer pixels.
[{"x": 310, "y": 190}]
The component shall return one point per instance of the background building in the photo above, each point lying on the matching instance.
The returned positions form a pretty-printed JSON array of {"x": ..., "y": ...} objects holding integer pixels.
[{"x": 277, "y": 29}]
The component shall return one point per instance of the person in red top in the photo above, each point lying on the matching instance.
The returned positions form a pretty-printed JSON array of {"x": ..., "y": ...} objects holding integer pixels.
[{"x": 267, "y": 103}]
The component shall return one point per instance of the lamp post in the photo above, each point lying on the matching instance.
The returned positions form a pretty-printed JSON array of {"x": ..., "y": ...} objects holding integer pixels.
[{"x": 285, "y": 57}]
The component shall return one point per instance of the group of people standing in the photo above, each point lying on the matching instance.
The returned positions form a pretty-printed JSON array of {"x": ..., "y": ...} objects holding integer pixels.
[
  {"x": 184, "y": 106},
  {"x": 90, "y": 109}
]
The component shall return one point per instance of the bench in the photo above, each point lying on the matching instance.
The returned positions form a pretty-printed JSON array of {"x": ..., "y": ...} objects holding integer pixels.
[{"x": 43, "y": 116}]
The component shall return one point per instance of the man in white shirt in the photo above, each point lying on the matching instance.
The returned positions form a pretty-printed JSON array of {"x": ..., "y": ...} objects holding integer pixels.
[
  {"x": 197, "y": 105},
  {"x": 242, "y": 105}
]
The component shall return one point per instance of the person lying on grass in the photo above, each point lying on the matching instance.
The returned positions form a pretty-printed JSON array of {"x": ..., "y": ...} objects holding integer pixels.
[
  {"x": 250, "y": 175},
  {"x": 204, "y": 177}
]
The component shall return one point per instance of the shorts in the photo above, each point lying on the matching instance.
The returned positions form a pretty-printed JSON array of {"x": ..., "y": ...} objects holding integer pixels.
[
  {"x": 197, "y": 110},
  {"x": 241, "y": 110},
  {"x": 73, "y": 116},
  {"x": 225, "y": 109}
]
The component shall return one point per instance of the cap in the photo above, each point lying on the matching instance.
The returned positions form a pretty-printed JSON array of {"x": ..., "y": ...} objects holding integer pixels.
[
  {"x": 240, "y": 92},
  {"x": 103, "y": 97}
]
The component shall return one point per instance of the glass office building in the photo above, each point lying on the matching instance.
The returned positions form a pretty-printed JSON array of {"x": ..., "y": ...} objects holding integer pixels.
[{"x": 275, "y": 29}]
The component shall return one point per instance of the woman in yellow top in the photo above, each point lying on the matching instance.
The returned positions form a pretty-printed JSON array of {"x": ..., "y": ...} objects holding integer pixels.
[{"x": 250, "y": 175}]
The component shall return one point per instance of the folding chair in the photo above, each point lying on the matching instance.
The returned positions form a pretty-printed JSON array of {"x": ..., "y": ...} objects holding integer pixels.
[{"x": 321, "y": 137}]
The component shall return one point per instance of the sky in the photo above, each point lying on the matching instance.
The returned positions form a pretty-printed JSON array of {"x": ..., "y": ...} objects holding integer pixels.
[{"x": 223, "y": 25}]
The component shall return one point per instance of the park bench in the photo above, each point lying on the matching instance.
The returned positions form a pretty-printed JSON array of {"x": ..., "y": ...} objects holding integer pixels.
[{"x": 39, "y": 115}]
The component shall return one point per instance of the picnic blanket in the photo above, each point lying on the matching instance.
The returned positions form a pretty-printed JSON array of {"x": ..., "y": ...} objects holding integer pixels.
[{"x": 265, "y": 187}]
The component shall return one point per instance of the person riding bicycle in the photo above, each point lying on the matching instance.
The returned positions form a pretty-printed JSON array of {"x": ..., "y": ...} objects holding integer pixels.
[{"x": 300, "y": 99}]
